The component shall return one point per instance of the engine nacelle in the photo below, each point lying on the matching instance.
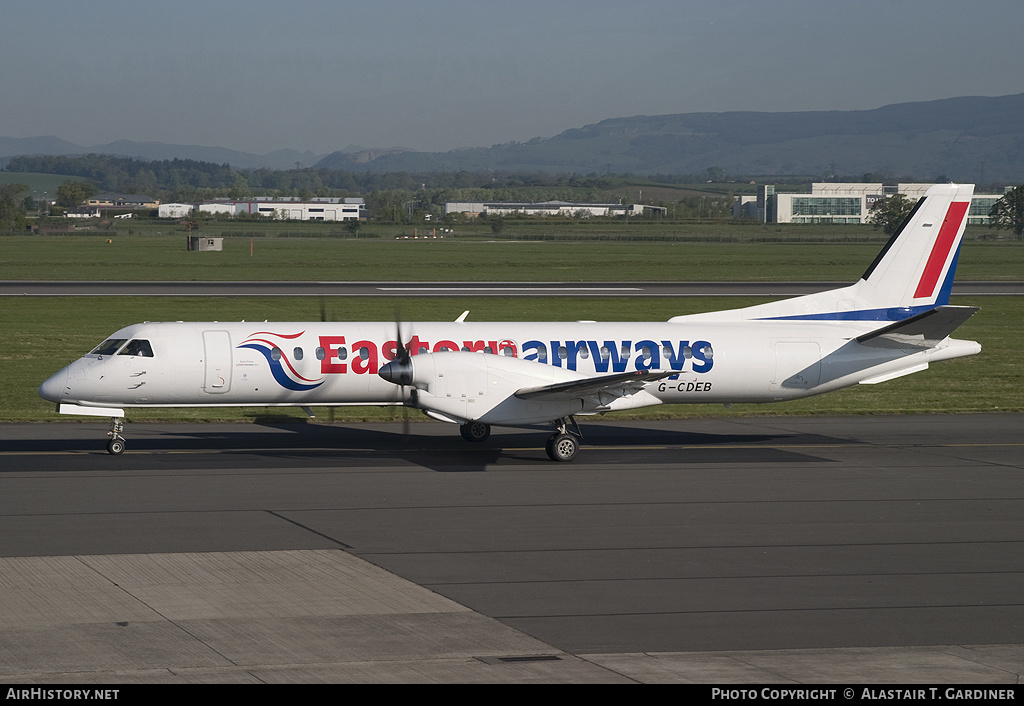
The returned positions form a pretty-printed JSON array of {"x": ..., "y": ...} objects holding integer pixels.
[{"x": 480, "y": 387}]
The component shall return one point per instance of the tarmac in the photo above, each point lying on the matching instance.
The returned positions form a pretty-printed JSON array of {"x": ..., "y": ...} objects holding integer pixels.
[{"x": 764, "y": 550}]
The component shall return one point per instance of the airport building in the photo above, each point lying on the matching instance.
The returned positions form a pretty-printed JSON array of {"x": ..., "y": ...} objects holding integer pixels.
[
  {"x": 317, "y": 209},
  {"x": 551, "y": 208},
  {"x": 174, "y": 210},
  {"x": 831, "y": 202},
  {"x": 130, "y": 201}
]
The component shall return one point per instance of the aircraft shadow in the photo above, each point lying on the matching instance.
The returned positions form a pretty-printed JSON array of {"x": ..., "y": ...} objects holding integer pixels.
[{"x": 433, "y": 446}]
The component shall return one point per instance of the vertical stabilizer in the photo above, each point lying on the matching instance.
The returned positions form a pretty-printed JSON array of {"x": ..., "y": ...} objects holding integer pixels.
[
  {"x": 912, "y": 273},
  {"x": 915, "y": 269}
]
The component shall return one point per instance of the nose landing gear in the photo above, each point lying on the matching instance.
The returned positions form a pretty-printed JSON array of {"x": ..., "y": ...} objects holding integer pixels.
[{"x": 115, "y": 446}]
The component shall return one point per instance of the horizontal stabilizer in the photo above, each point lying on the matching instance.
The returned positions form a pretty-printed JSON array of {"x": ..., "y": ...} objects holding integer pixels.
[
  {"x": 924, "y": 330},
  {"x": 624, "y": 383}
]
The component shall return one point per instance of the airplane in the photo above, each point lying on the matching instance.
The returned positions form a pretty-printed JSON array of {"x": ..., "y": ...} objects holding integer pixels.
[{"x": 894, "y": 321}]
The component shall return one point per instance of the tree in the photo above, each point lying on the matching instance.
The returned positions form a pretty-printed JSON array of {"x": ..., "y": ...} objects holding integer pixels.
[
  {"x": 890, "y": 212},
  {"x": 74, "y": 193},
  {"x": 12, "y": 205},
  {"x": 1008, "y": 212}
]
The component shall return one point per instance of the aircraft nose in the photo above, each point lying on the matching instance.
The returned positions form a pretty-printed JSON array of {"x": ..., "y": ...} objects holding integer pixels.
[{"x": 54, "y": 387}]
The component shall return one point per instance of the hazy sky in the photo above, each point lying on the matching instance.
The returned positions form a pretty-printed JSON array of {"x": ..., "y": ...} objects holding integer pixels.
[{"x": 440, "y": 74}]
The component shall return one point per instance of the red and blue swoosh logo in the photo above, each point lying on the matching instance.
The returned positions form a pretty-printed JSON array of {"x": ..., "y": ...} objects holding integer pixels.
[{"x": 273, "y": 346}]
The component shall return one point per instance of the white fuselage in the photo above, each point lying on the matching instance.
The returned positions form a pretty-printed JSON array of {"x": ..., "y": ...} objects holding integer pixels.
[{"x": 326, "y": 364}]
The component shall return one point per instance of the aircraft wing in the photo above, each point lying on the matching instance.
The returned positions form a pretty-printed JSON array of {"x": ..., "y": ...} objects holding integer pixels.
[
  {"x": 923, "y": 331},
  {"x": 619, "y": 384}
]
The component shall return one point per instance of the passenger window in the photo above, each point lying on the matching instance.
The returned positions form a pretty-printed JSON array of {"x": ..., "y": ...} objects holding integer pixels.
[
  {"x": 321, "y": 353},
  {"x": 275, "y": 353},
  {"x": 139, "y": 347},
  {"x": 297, "y": 353}
]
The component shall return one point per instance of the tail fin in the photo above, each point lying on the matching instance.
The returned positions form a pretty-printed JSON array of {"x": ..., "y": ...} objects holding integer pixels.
[
  {"x": 912, "y": 274},
  {"x": 915, "y": 269}
]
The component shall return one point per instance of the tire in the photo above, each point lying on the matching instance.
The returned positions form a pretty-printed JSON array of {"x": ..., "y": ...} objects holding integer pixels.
[
  {"x": 115, "y": 447},
  {"x": 475, "y": 431},
  {"x": 562, "y": 447}
]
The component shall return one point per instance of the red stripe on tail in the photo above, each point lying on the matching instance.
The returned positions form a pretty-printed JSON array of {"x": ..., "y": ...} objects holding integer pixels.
[{"x": 941, "y": 247}]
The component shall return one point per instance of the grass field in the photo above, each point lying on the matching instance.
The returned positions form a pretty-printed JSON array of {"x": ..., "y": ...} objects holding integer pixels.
[
  {"x": 39, "y": 184},
  {"x": 164, "y": 257}
]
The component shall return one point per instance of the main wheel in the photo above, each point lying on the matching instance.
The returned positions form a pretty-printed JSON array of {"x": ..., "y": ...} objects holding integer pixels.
[
  {"x": 475, "y": 431},
  {"x": 115, "y": 447},
  {"x": 562, "y": 447}
]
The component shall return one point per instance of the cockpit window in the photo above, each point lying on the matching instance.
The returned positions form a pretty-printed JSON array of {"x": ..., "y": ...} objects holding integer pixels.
[
  {"x": 139, "y": 347},
  {"x": 109, "y": 346}
]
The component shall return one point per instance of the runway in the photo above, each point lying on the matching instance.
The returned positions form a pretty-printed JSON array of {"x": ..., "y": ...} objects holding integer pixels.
[
  {"x": 40, "y": 288},
  {"x": 759, "y": 550}
]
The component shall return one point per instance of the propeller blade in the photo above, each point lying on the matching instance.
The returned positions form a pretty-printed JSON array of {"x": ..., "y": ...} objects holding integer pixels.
[{"x": 399, "y": 370}]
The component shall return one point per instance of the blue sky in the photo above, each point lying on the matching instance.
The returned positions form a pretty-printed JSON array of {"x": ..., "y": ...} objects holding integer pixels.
[{"x": 440, "y": 74}]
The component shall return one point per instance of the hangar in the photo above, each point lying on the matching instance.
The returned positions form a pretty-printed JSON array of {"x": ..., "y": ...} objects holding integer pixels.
[
  {"x": 551, "y": 208},
  {"x": 317, "y": 209}
]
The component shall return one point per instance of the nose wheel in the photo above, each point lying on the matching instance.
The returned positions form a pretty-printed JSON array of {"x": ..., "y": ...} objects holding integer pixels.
[{"x": 115, "y": 447}]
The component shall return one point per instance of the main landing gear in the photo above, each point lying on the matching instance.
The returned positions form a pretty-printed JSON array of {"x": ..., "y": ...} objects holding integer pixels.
[
  {"x": 115, "y": 447},
  {"x": 563, "y": 445},
  {"x": 475, "y": 431}
]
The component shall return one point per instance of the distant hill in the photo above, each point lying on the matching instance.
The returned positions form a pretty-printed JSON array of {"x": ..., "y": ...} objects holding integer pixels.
[
  {"x": 966, "y": 139},
  {"x": 956, "y": 138},
  {"x": 279, "y": 159}
]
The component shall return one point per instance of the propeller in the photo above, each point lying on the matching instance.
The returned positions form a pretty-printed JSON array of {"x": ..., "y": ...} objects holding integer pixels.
[{"x": 399, "y": 372}]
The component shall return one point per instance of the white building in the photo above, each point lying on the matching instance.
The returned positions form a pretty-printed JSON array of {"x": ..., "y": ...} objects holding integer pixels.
[
  {"x": 851, "y": 203},
  {"x": 549, "y": 208},
  {"x": 319, "y": 209},
  {"x": 83, "y": 212},
  {"x": 174, "y": 210}
]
